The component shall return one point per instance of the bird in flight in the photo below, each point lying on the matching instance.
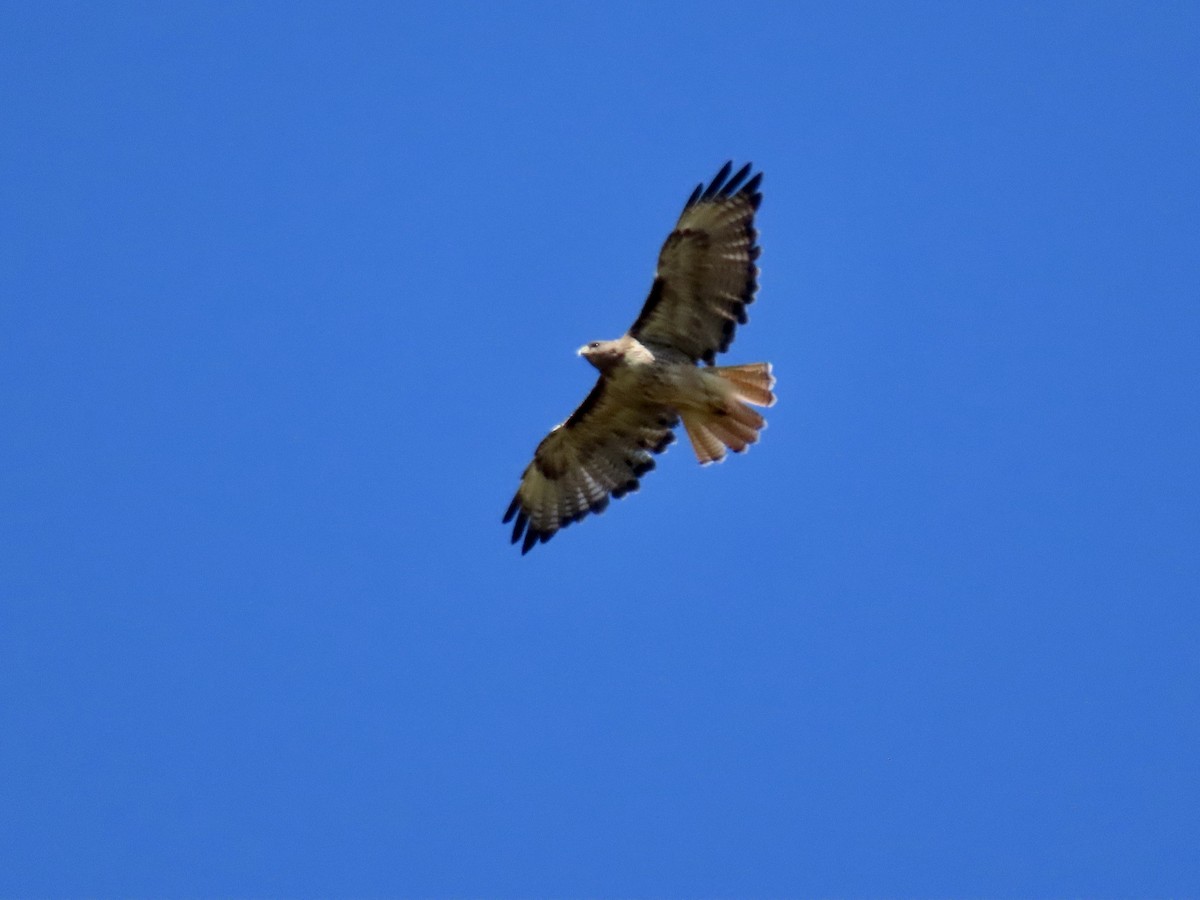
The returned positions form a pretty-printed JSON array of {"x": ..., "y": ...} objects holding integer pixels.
[{"x": 650, "y": 377}]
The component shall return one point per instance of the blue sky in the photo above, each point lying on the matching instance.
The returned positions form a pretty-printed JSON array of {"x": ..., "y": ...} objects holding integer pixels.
[{"x": 289, "y": 293}]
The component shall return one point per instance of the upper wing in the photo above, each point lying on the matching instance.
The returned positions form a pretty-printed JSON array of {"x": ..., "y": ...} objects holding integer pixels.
[
  {"x": 603, "y": 448},
  {"x": 706, "y": 273}
]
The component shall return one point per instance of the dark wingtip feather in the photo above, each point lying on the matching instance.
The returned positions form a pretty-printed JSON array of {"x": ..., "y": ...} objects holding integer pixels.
[
  {"x": 627, "y": 488},
  {"x": 643, "y": 467},
  {"x": 512, "y": 508},
  {"x": 750, "y": 191},
  {"x": 519, "y": 526},
  {"x": 732, "y": 185},
  {"x": 718, "y": 181},
  {"x": 691, "y": 201},
  {"x": 531, "y": 538}
]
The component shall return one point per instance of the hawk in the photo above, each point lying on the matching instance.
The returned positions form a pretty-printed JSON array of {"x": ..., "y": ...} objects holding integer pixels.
[{"x": 650, "y": 378}]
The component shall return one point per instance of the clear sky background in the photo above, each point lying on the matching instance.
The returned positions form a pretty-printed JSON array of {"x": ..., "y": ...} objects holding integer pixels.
[{"x": 289, "y": 293}]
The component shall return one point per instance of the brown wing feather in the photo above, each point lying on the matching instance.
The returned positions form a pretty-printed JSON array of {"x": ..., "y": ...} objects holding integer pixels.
[
  {"x": 706, "y": 273},
  {"x": 601, "y": 450}
]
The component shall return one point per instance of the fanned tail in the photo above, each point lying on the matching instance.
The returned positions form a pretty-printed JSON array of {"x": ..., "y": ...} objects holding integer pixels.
[
  {"x": 752, "y": 383},
  {"x": 728, "y": 421}
]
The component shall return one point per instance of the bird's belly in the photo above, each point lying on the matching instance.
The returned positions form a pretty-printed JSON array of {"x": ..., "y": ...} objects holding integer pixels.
[{"x": 677, "y": 385}]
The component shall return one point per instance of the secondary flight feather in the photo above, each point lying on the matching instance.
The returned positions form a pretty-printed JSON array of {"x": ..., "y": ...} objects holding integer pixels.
[{"x": 651, "y": 378}]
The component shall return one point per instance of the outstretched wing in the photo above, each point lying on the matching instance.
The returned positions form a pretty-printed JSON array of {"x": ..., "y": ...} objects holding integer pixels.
[
  {"x": 706, "y": 273},
  {"x": 603, "y": 448}
]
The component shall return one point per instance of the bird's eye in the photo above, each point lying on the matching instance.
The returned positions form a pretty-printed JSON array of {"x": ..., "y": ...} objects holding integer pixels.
[{"x": 594, "y": 344}]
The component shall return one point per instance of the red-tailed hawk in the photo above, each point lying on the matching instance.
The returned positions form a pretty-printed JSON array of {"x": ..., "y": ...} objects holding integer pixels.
[{"x": 649, "y": 378}]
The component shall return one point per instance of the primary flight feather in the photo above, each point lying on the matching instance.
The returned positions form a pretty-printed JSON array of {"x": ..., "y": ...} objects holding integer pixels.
[{"x": 650, "y": 379}]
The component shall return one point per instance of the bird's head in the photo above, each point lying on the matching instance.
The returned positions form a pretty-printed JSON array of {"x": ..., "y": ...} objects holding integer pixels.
[{"x": 603, "y": 354}]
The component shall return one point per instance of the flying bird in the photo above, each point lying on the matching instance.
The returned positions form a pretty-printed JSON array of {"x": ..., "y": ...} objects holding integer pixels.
[{"x": 650, "y": 377}]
